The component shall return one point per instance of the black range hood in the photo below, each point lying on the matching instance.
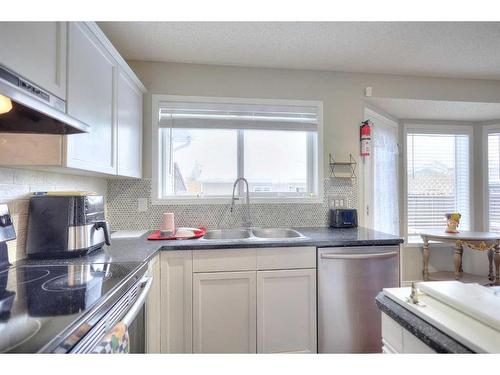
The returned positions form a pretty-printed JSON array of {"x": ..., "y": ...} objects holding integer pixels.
[{"x": 34, "y": 110}]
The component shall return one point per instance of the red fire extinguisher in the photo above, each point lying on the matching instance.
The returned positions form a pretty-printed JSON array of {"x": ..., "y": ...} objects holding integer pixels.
[{"x": 365, "y": 137}]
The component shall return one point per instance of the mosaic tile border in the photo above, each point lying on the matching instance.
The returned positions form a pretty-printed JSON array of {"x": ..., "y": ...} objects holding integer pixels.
[{"x": 123, "y": 213}]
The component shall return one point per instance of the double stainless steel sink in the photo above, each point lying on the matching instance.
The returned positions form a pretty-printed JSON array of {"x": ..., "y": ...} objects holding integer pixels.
[{"x": 252, "y": 234}]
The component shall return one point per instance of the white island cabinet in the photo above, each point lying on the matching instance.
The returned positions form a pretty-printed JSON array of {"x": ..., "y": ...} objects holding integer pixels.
[
  {"x": 37, "y": 52},
  {"x": 243, "y": 300},
  {"x": 396, "y": 339}
]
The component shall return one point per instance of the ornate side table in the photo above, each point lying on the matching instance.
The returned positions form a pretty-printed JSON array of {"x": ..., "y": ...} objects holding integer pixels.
[{"x": 480, "y": 241}]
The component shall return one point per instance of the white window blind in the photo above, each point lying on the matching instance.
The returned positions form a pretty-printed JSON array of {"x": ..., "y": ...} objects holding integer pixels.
[
  {"x": 438, "y": 179},
  {"x": 494, "y": 181},
  {"x": 204, "y": 146},
  {"x": 238, "y": 116}
]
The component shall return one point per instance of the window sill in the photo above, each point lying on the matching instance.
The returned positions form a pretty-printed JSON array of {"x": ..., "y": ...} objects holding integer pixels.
[{"x": 227, "y": 200}]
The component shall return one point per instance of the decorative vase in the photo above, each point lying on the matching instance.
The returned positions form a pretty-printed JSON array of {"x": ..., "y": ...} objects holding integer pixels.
[{"x": 452, "y": 222}]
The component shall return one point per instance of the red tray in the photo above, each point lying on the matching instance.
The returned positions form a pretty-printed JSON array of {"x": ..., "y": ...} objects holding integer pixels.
[{"x": 200, "y": 232}]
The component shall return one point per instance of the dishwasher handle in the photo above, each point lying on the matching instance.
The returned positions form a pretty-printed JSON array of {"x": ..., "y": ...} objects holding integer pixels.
[
  {"x": 146, "y": 283},
  {"x": 359, "y": 256}
]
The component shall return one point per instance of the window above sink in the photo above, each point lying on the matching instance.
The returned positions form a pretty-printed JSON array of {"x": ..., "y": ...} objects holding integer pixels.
[{"x": 204, "y": 144}]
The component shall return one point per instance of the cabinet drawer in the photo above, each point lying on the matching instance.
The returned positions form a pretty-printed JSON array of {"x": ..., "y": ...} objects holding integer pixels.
[
  {"x": 414, "y": 345},
  {"x": 286, "y": 258},
  {"x": 392, "y": 333},
  {"x": 225, "y": 260}
]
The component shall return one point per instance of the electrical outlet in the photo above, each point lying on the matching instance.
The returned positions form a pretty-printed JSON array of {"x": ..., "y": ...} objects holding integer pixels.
[{"x": 336, "y": 201}]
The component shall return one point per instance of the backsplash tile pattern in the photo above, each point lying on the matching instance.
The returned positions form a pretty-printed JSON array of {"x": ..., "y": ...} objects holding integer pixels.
[
  {"x": 17, "y": 184},
  {"x": 123, "y": 195}
]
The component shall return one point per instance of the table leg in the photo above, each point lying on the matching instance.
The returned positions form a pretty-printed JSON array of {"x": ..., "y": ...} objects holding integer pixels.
[
  {"x": 497, "y": 265},
  {"x": 426, "y": 255},
  {"x": 458, "y": 260},
  {"x": 491, "y": 276}
]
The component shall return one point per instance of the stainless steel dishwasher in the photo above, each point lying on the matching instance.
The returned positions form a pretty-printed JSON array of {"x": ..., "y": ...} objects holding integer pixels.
[{"x": 349, "y": 278}]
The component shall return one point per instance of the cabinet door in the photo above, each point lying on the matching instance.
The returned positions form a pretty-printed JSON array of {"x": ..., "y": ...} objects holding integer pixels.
[
  {"x": 91, "y": 80},
  {"x": 224, "y": 312},
  {"x": 413, "y": 345},
  {"x": 36, "y": 51},
  {"x": 153, "y": 313},
  {"x": 286, "y": 311},
  {"x": 129, "y": 122},
  {"x": 176, "y": 301}
]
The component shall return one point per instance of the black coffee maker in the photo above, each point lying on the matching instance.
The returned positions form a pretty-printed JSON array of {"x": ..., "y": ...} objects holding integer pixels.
[{"x": 7, "y": 233}]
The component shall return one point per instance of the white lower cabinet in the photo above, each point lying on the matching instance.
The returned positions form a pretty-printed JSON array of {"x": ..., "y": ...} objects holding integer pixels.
[
  {"x": 153, "y": 314},
  {"x": 224, "y": 312},
  {"x": 176, "y": 301},
  {"x": 396, "y": 339},
  {"x": 239, "y": 301},
  {"x": 286, "y": 311}
]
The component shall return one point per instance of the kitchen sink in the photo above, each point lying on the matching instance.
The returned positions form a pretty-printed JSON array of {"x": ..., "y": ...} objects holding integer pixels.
[
  {"x": 276, "y": 233},
  {"x": 228, "y": 234},
  {"x": 254, "y": 234}
]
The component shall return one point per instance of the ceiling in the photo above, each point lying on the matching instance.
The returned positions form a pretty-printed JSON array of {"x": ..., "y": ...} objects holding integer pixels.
[
  {"x": 437, "y": 109},
  {"x": 442, "y": 49}
]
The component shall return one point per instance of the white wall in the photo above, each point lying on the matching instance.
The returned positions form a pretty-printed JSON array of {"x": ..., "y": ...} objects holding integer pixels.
[
  {"x": 343, "y": 100},
  {"x": 341, "y": 93}
]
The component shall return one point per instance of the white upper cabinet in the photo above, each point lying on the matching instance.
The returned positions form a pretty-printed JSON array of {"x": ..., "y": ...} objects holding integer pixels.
[
  {"x": 91, "y": 80},
  {"x": 75, "y": 61},
  {"x": 36, "y": 51},
  {"x": 129, "y": 121}
]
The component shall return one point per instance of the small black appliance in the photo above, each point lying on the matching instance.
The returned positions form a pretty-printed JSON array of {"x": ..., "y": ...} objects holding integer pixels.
[
  {"x": 65, "y": 226},
  {"x": 343, "y": 218}
]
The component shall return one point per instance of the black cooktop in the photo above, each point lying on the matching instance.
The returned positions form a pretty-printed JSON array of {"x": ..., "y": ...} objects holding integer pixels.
[{"x": 38, "y": 302}]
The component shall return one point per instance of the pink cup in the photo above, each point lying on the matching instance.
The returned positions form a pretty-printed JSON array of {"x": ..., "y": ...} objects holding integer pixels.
[{"x": 168, "y": 224}]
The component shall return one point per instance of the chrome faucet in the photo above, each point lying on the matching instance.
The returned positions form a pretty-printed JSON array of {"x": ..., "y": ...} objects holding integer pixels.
[{"x": 246, "y": 215}]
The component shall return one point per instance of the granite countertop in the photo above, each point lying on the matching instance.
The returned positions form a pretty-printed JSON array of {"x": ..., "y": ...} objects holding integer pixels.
[
  {"x": 430, "y": 335},
  {"x": 141, "y": 249}
]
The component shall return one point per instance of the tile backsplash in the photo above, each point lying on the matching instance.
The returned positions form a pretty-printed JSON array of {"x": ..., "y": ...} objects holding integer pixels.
[
  {"x": 16, "y": 186},
  {"x": 124, "y": 195}
]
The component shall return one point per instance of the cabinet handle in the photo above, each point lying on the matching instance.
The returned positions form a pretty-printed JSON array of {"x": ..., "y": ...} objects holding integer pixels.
[{"x": 359, "y": 256}]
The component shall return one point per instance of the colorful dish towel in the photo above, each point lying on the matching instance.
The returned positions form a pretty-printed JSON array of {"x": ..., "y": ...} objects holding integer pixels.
[{"x": 115, "y": 342}]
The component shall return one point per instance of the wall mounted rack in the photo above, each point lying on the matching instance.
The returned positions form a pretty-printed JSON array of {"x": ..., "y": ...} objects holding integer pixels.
[{"x": 351, "y": 164}]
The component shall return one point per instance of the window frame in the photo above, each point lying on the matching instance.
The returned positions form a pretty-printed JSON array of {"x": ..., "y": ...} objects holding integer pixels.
[
  {"x": 314, "y": 176},
  {"x": 435, "y": 128},
  {"x": 486, "y": 131}
]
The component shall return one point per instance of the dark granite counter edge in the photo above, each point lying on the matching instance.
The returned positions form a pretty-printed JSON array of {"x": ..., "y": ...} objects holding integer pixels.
[
  {"x": 201, "y": 244},
  {"x": 431, "y": 336}
]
